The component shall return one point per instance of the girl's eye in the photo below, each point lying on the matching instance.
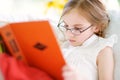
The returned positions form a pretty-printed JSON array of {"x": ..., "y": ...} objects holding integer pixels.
[
  {"x": 66, "y": 26},
  {"x": 77, "y": 28}
]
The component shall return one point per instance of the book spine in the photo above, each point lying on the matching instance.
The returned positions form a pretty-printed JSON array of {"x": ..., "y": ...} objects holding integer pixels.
[
  {"x": 0, "y": 49},
  {"x": 0, "y": 45},
  {"x": 11, "y": 43}
]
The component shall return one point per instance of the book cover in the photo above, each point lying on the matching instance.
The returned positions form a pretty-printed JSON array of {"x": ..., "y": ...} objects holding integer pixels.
[{"x": 38, "y": 44}]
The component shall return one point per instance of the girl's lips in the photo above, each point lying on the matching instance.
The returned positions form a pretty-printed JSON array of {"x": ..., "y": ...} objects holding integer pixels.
[{"x": 72, "y": 40}]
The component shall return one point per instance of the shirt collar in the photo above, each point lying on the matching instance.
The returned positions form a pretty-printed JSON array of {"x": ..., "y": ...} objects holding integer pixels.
[{"x": 90, "y": 40}]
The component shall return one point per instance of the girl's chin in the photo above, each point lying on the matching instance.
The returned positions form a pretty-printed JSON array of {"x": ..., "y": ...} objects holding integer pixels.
[{"x": 75, "y": 44}]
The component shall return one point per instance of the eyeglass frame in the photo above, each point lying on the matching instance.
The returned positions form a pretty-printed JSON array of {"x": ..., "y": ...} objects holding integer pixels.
[{"x": 81, "y": 31}]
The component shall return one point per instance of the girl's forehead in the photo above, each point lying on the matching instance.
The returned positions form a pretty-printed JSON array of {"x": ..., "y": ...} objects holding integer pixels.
[{"x": 74, "y": 17}]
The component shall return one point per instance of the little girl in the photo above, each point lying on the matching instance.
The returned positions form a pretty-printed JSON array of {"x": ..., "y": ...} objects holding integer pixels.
[{"x": 89, "y": 56}]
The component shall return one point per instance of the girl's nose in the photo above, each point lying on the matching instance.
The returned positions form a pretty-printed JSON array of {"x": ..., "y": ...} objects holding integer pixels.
[{"x": 69, "y": 33}]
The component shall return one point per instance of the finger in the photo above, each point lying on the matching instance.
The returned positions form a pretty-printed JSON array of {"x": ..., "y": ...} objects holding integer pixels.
[
  {"x": 65, "y": 74},
  {"x": 66, "y": 68},
  {"x": 69, "y": 75}
]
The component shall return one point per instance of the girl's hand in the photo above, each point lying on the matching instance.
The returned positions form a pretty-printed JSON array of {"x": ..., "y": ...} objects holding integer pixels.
[{"x": 69, "y": 73}]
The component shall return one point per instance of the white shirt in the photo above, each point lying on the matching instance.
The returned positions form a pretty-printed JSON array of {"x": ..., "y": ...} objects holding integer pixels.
[{"x": 84, "y": 57}]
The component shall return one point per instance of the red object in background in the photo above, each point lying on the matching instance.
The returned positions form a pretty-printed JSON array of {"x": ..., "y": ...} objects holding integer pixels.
[{"x": 13, "y": 69}]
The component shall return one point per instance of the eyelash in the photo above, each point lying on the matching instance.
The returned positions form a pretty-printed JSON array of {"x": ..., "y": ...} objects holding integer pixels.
[
  {"x": 77, "y": 28},
  {"x": 66, "y": 26}
]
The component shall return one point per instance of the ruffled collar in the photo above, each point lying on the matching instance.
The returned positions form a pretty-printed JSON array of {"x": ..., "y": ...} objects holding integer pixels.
[{"x": 90, "y": 40}]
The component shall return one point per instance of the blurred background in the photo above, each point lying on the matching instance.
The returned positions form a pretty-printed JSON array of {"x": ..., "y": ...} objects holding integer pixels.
[
  {"x": 13, "y": 10},
  {"x": 16, "y": 10}
]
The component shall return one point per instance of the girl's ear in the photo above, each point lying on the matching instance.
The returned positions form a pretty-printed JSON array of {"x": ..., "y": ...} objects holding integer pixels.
[{"x": 96, "y": 29}]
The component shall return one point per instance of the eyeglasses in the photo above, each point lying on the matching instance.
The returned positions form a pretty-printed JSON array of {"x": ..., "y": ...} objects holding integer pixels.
[{"x": 75, "y": 31}]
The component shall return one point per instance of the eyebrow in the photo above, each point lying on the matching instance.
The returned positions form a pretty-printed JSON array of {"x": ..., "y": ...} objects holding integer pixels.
[{"x": 76, "y": 25}]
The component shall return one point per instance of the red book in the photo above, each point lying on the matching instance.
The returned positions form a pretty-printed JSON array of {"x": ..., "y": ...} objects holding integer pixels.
[{"x": 35, "y": 43}]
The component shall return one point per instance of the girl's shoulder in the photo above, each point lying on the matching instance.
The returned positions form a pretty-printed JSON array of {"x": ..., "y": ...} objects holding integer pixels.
[
  {"x": 103, "y": 43},
  {"x": 108, "y": 41}
]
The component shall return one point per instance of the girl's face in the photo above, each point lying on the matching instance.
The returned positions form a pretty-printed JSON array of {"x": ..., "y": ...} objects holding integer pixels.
[{"x": 78, "y": 29}]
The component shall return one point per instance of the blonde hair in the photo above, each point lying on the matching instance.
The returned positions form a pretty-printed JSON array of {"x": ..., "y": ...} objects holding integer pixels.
[{"x": 93, "y": 10}]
